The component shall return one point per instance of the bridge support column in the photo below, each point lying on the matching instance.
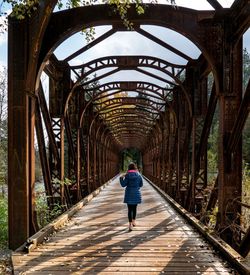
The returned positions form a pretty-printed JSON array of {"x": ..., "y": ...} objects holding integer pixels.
[
  {"x": 230, "y": 163},
  {"x": 59, "y": 86},
  {"x": 21, "y": 155},
  {"x": 197, "y": 95}
]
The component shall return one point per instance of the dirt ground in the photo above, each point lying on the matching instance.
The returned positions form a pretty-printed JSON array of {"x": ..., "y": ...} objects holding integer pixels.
[{"x": 5, "y": 262}]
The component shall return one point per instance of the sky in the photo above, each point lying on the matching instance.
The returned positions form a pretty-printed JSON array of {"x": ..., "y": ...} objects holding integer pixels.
[{"x": 129, "y": 43}]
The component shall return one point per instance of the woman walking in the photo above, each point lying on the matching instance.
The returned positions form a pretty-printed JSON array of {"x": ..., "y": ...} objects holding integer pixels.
[{"x": 133, "y": 182}]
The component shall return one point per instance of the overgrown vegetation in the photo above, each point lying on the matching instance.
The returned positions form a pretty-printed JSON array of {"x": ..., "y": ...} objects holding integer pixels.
[
  {"x": 246, "y": 147},
  {"x": 25, "y": 8},
  {"x": 3, "y": 222},
  {"x": 45, "y": 214},
  {"x": 3, "y": 132},
  {"x": 3, "y": 160},
  {"x": 131, "y": 155},
  {"x": 246, "y": 178}
]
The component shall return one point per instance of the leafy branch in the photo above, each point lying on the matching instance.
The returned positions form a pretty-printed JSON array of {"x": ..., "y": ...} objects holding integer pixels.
[
  {"x": 25, "y": 8},
  {"x": 22, "y": 8},
  {"x": 65, "y": 181}
]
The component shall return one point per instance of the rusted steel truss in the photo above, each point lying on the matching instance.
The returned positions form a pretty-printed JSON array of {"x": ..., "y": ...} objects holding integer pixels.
[{"x": 84, "y": 121}]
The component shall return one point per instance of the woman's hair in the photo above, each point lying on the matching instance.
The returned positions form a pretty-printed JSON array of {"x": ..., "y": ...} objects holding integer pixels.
[{"x": 132, "y": 166}]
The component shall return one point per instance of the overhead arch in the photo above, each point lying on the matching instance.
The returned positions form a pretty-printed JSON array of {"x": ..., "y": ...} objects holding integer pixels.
[
  {"x": 65, "y": 23},
  {"x": 133, "y": 62},
  {"x": 125, "y": 127},
  {"x": 119, "y": 87},
  {"x": 124, "y": 62}
]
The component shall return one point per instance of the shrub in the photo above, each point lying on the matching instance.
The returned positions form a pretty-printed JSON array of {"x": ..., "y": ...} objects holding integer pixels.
[{"x": 3, "y": 223}]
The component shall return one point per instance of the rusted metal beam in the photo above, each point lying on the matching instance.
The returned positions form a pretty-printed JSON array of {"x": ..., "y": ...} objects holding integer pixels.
[
  {"x": 213, "y": 196},
  {"x": 66, "y": 23},
  {"x": 230, "y": 165},
  {"x": 245, "y": 244},
  {"x": 129, "y": 62},
  {"x": 90, "y": 45},
  {"x": 240, "y": 121},
  {"x": 208, "y": 121},
  {"x": 39, "y": 20},
  {"x": 215, "y": 4},
  {"x": 138, "y": 86},
  {"x": 70, "y": 139},
  {"x": 19, "y": 182},
  {"x": 43, "y": 156},
  {"x": 238, "y": 20},
  {"x": 163, "y": 44},
  {"x": 48, "y": 123}
]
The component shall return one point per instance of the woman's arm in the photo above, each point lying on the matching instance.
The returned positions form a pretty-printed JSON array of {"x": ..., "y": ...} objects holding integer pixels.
[
  {"x": 141, "y": 182},
  {"x": 123, "y": 181}
]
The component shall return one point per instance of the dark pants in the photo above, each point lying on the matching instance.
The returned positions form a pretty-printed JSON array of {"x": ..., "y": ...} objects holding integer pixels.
[{"x": 131, "y": 212}]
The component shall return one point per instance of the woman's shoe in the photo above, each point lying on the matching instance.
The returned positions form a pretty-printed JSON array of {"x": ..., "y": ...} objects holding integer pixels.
[
  {"x": 133, "y": 223},
  {"x": 130, "y": 228}
]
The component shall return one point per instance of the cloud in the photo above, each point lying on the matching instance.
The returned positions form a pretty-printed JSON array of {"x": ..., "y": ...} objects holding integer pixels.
[
  {"x": 3, "y": 38},
  {"x": 3, "y": 63},
  {"x": 75, "y": 62},
  {"x": 2, "y": 66}
]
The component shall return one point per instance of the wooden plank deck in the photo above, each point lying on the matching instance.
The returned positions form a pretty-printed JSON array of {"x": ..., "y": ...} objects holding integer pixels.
[{"x": 97, "y": 241}]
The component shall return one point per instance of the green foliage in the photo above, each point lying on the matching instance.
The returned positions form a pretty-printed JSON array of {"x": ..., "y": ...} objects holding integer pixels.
[
  {"x": 22, "y": 8},
  {"x": 212, "y": 154},
  {"x": 3, "y": 223},
  {"x": 66, "y": 181},
  {"x": 246, "y": 130},
  {"x": 3, "y": 161},
  {"x": 25, "y": 8},
  {"x": 212, "y": 218},
  {"x": 122, "y": 8},
  {"x": 44, "y": 214},
  {"x": 212, "y": 146},
  {"x": 131, "y": 155},
  {"x": 89, "y": 34}
]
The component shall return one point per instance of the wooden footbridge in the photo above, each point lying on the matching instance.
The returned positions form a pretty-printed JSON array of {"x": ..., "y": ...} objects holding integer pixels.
[
  {"x": 80, "y": 114},
  {"x": 96, "y": 240}
]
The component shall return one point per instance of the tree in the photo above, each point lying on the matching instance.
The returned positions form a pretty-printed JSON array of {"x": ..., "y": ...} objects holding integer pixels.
[
  {"x": 246, "y": 131},
  {"x": 246, "y": 68},
  {"x": 3, "y": 129},
  {"x": 131, "y": 155}
]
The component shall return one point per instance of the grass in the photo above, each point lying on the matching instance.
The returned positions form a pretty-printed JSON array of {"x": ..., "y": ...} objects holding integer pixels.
[{"x": 3, "y": 223}]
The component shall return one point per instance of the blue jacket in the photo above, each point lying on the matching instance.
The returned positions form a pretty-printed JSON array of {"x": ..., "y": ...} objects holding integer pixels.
[{"x": 133, "y": 182}]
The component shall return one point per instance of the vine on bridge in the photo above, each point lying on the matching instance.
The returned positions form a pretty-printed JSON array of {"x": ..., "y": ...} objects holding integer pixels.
[{"x": 25, "y": 8}]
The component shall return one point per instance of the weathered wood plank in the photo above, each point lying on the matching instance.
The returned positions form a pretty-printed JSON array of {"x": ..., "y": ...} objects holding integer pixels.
[
  {"x": 96, "y": 241},
  {"x": 107, "y": 272}
]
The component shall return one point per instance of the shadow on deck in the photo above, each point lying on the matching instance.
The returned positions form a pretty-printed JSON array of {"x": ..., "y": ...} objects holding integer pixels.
[{"x": 96, "y": 240}]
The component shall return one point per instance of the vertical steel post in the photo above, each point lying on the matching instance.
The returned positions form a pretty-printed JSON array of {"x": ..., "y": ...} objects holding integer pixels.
[
  {"x": 19, "y": 139},
  {"x": 230, "y": 165}
]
